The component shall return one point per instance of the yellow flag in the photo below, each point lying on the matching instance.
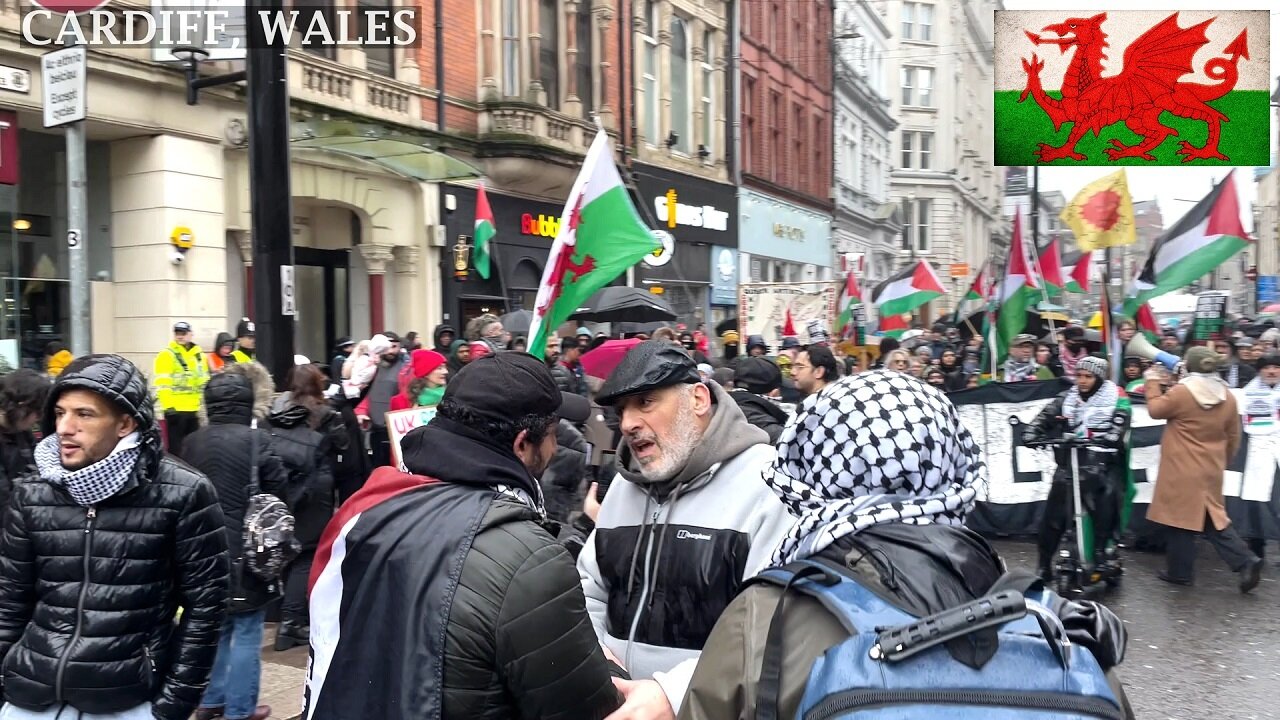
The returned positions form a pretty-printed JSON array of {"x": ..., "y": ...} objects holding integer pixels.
[{"x": 1101, "y": 215}]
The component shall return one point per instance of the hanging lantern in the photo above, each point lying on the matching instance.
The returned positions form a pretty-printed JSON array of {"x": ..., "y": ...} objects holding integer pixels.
[{"x": 461, "y": 258}]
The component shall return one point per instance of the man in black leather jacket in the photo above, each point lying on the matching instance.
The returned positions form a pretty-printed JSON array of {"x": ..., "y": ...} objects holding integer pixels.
[{"x": 99, "y": 550}]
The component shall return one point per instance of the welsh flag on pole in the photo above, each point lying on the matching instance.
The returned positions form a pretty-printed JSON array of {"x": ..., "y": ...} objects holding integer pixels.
[
  {"x": 1078, "y": 281},
  {"x": 600, "y": 236},
  {"x": 849, "y": 326},
  {"x": 1019, "y": 291},
  {"x": 484, "y": 232}
]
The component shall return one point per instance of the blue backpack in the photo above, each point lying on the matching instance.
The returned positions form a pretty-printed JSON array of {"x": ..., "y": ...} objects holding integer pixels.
[{"x": 895, "y": 665}]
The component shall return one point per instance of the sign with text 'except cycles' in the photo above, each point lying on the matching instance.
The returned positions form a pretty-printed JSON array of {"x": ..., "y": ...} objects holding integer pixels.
[{"x": 64, "y": 76}]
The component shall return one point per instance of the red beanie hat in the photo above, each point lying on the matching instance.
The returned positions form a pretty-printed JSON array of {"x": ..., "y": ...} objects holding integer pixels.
[{"x": 425, "y": 361}]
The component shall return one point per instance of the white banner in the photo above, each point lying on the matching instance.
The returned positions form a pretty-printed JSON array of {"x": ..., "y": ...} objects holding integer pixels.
[{"x": 762, "y": 309}]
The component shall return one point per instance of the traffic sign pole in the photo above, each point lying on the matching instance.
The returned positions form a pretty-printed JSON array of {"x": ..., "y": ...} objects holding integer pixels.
[{"x": 77, "y": 243}]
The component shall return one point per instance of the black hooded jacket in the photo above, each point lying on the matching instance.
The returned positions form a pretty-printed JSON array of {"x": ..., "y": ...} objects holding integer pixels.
[
  {"x": 761, "y": 412},
  {"x": 306, "y": 453},
  {"x": 443, "y": 348},
  {"x": 518, "y": 640},
  {"x": 224, "y": 451},
  {"x": 88, "y": 595}
]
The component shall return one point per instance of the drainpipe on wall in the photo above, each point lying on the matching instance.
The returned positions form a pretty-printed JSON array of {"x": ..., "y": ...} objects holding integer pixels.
[
  {"x": 735, "y": 92},
  {"x": 439, "y": 10}
]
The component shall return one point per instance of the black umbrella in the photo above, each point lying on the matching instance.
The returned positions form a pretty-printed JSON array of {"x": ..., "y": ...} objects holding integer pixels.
[
  {"x": 631, "y": 328},
  {"x": 725, "y": 326},
  {"x": 624, "y": 304},
  {"x": 517, "y": 322}
]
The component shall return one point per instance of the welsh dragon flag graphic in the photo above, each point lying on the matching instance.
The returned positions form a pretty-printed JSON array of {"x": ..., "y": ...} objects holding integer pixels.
[
  {"x": 1200, "y": 241},
  {"x": 1138, "y": 88},
  {"x": 1019, "y": 290},
  {"x": 911, "y": 287},
  {"x": 601, "y": 235}
]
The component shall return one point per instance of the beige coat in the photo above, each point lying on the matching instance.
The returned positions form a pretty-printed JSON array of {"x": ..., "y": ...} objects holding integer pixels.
[{"x": 1194, "y": 452}]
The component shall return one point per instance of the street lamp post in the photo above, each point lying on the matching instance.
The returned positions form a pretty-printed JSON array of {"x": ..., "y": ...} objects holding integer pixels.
[{"x": 270, "y": 196}]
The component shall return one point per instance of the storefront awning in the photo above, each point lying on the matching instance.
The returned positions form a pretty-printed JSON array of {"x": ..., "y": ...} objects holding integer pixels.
[{"x": 402, "y": 154}]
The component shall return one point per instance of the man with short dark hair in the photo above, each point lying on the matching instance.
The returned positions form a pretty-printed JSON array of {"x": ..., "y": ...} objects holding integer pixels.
[
  {"x": 567, "y": 371},
  {"x": 372, "y": 411},
  {"x": 440, "y": 592},
  {"x": 1236, "y": 372},
  {"x": 815, "y": 368},
  {"x": 100, "y": 548}
]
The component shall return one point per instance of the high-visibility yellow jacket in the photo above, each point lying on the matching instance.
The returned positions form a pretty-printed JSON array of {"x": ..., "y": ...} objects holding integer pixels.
[
  {"x": 180, "y": 376},
  {"x": 241, "y": 356}
]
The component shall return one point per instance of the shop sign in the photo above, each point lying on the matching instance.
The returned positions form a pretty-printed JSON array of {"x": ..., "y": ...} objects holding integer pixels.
[
  {"x": 788, "y": 232},
  {"x": 8, "y": 148},
  {"x": 539, "y": 225},
  {"x": 15, "y": 80},
  {"x": 724, "y": 276},
  {"x": 672, "y": 212},
  {"x": 663, "y": 254}
]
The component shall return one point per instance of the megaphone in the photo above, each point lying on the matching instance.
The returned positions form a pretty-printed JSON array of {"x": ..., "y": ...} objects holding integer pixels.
[{"x": 1141, "y": 347}]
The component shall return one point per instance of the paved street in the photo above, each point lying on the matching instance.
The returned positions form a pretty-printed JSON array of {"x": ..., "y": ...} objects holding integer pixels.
[
  {"x": 1194, "y": 653},
  {"x": 1199, "y": 652}
]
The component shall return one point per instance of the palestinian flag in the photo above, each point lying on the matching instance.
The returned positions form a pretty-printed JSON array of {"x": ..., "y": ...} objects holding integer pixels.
[
  {"x": 1199, "y": 242},
  {"x": 1150, "y": 59},
  {"x": 850, "y": 325},
  {"x": 907, "y": 290},
  {"x": 1078, "y": 281},
  {"x": 1051, "y": 268},
  {"x": 976, "y": 298},
  {"x": 1020, "y": 290},
  {"x": 1101, "y": 214},
  {"x": 1147, "y": 325},
  {"x": 600, "y": 236},
  {"x": 484, "y": 232},
  {"x": 894, "y": 325}
]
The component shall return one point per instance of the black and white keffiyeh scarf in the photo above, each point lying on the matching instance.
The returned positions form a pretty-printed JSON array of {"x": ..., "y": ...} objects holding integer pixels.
[
  {"x": 872, "y": 448},
  {"x": 1093, "y": 412},
  {"x": 1020, "y": 370},
  {"x": 95, "y": 483}
]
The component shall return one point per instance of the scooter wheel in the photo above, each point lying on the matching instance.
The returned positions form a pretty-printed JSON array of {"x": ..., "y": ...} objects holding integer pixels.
[{"x": 1113, "y": 581}]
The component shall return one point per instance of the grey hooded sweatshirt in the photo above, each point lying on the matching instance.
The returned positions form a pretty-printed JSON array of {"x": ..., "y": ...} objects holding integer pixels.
[{"x": 666, "y": 558}]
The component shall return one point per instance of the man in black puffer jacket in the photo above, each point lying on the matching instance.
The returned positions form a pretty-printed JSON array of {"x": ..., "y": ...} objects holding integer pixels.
[
  {"x": 439, "y": 594},
  {"x": 99, "y": 550},
  {"x": 226, "y": 449}
]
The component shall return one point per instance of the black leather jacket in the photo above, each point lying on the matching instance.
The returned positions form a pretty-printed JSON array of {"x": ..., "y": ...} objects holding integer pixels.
[
  {"x": 1104, "y": 453},
  {"x": 88, "y": 595}
]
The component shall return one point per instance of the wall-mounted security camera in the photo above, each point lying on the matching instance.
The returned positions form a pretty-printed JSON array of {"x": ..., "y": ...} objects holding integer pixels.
[{"x": 177, "y": 257}]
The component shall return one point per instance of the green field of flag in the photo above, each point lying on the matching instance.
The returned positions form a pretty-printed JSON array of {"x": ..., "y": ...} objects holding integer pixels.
[{"x": 1019, "y": 127}]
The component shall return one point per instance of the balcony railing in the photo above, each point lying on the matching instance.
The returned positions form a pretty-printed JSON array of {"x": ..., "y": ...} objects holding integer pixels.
[{"x": 537, "y": 124}]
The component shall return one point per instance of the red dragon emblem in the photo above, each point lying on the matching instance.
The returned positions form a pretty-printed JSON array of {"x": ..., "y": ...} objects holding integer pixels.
[{"x": 1146, "y": 87}]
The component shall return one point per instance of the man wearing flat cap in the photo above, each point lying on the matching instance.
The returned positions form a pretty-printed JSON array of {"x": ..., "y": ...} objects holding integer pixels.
[
  {"x": 685, "y": 523},
  {"x": 1235, "y": 371},
  {"x": 1021, "y": 365}
]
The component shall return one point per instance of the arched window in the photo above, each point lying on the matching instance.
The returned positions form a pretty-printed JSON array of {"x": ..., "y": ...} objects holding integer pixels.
[
  {"x": 549, "y": 50},
  {"x": 649, "y": 46},
  {"x": 680, "y": 105}
]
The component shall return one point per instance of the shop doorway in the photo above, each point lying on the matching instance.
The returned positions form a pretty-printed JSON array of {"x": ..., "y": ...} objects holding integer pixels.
[{"x": 323, "y": 291}]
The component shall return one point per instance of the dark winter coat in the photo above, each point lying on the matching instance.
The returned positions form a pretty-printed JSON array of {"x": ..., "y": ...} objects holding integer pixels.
[
  {"x": 224, "y": 451},
  {"x": 518, "y": 641},
  {"x": 88, "y": 595},
  {"x": 922, "y": 569},
  {"x": 16, "y": 461},
  {"x": 761, "y": 412},
  {"x": 563, "y": 479},
  {"x": 1051, "y": 425},
  {"x": 570, "y": 380},
  {"x": 443, "y": 349},
  {"x": 306, "y": 453}
]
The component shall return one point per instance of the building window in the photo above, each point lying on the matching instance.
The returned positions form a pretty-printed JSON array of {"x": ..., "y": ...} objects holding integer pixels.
[
  {"x": 775, "y": 23},
  {"x": 586, "y": 89},
  {"x": 749, "y": 146},
  {"x": 549, "y": 50},
  {"x": 317, "y": 45},
  {"x": 511, "y": 48},
  {"x": 775, "y": 136},
  {"x": 917, "y": 86},
  {"x": 680, "y": 106},
  {"x": 917, "y": 150},
  {"x": 820, "y": 144},
  {"x": 649, "y": 43},
  {"x": 798, "y": 130},
  {"x": 379, "y": 59},
  {"x": 708, "y": 92},
  {"x": 908, "y": 20},
  {"x": 921, "y": 227},
  {"x": 924, "y": 22}
]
